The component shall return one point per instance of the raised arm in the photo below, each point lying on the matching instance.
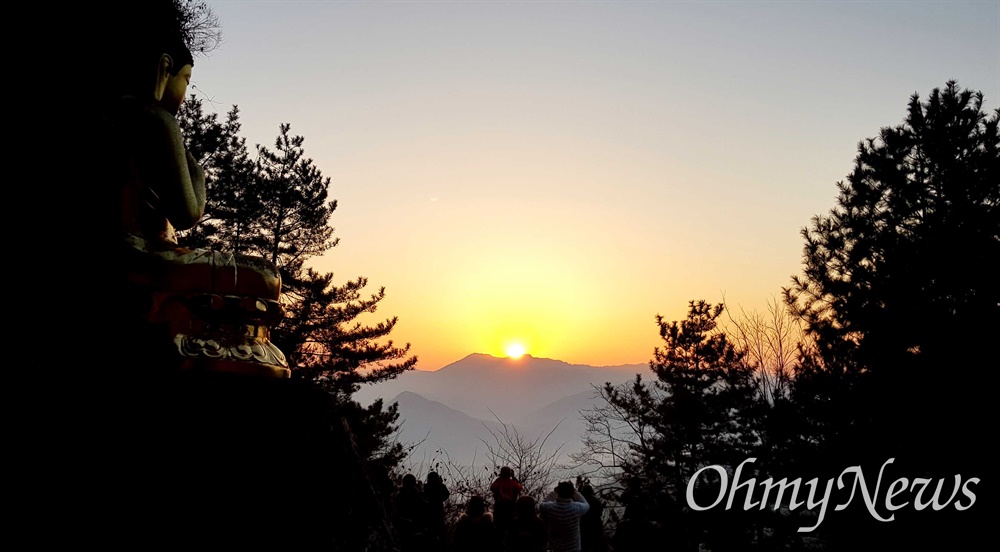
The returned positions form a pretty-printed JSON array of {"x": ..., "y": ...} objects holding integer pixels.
[{"x": 171, "y": 172}]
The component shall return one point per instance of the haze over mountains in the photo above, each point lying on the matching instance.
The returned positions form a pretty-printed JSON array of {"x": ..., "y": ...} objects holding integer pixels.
[{"x": 453, "y": 408}]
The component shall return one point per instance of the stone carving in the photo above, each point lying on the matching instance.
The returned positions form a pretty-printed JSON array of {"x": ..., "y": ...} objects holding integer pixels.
[{"x": 216, "y": 307}]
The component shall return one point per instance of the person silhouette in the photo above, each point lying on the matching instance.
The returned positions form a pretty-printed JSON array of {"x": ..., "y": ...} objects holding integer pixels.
[
  {"x": 592, "y": 523},
  {"x": 436, "y": 494},
  {"x": 411, "y": 510},
  {"x": 527, "y": 532},
  {"x": 506, "y": 488},
  {"x": 561, "y": 510},
  {"x": 474, "y": 531}
]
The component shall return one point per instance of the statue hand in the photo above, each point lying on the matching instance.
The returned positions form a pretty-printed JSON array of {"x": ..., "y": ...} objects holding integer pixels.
[
  {"x": 197, "y": 179},
  {"x": 169, "y": 171}
]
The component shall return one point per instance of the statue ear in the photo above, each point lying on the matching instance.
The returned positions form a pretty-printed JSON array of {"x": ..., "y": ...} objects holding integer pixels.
[{"x": 162, "y": 74}]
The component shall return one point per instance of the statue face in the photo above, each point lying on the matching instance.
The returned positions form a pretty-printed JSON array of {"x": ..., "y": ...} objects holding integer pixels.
[{"x": 175, "y": 90}]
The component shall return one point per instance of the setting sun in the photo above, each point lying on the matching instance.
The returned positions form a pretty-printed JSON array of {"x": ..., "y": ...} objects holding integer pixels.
[{"x": 515, "y": 350}]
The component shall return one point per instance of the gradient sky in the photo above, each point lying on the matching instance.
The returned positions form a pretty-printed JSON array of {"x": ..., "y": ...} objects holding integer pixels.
[{"x": 558, "y": 173}]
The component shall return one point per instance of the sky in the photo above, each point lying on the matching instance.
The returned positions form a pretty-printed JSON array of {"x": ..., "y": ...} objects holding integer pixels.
[{"x": 556, "y": 174}]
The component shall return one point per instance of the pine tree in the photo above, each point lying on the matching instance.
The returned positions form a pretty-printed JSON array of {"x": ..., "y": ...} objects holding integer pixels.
[
  {"x": 901, "y": 263},
  {"x": 703, "y": 408},
  {"x": 707, "y": 391},
  {"x": 323, "y": 340},
  {"x": 899, "y": 296},
  {"x": 294, "y": 220},
  {"x": 234, "y": 205},
  {"x": 276, "y": 207},
  {"x": 897, "y": 287}
]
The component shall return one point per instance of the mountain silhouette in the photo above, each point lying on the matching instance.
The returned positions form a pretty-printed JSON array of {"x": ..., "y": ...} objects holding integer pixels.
[
  {"x": 486, "y": 387},
  {"x": 434, "y": 427},
  {"x": 446, "y": 414}
]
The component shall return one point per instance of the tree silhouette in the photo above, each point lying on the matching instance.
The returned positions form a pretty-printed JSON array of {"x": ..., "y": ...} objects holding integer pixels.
[
  {"x": 532, "y": 460},
  {"x": 234, "y": 205},
  {"x": 897, "y": 287},
  {"x": 704, "y": 407},
  {"x": 276, "y": 206},
  {"x": 294, "y": 217},
  {"x": 324, "y": 341},
  {"x": 901, "y": 263},
  {"x": 899, "y": 296},
  {"x": 199, "y": 25}
]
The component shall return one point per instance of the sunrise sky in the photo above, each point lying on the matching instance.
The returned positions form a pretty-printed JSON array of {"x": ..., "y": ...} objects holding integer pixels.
[{"x": 555, "y": 174}]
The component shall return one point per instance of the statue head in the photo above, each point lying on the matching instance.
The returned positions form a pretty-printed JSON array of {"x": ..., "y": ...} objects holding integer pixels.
[
  {"x": 152, "y": 62},
  {"x": 173, "y": 77}
]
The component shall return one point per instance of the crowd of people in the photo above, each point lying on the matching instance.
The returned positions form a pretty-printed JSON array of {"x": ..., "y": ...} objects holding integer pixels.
[{"x": 566, "y": 520}]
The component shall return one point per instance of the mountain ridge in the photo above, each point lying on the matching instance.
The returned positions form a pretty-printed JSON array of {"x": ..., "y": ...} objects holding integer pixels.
[
  {"x": 451, "y": 411},
  {"x": 530, "y": 357},
  {"x": 484, "y": 386}
]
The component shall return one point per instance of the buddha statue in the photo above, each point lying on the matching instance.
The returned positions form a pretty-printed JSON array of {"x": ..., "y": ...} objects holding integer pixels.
[{"x": 216, "y": 307}]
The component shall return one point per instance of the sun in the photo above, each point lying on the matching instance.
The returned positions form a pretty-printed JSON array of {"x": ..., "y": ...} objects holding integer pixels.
[{"x": 515, "y": 350}]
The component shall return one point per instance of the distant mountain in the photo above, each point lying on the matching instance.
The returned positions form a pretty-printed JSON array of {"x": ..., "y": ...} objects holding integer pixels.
[
  {"x": 562, "y": 419},
  {"x": 483, "y": 385},
  {"x": 435, "y": 427},
  {"x": 452, "y": 409}
]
